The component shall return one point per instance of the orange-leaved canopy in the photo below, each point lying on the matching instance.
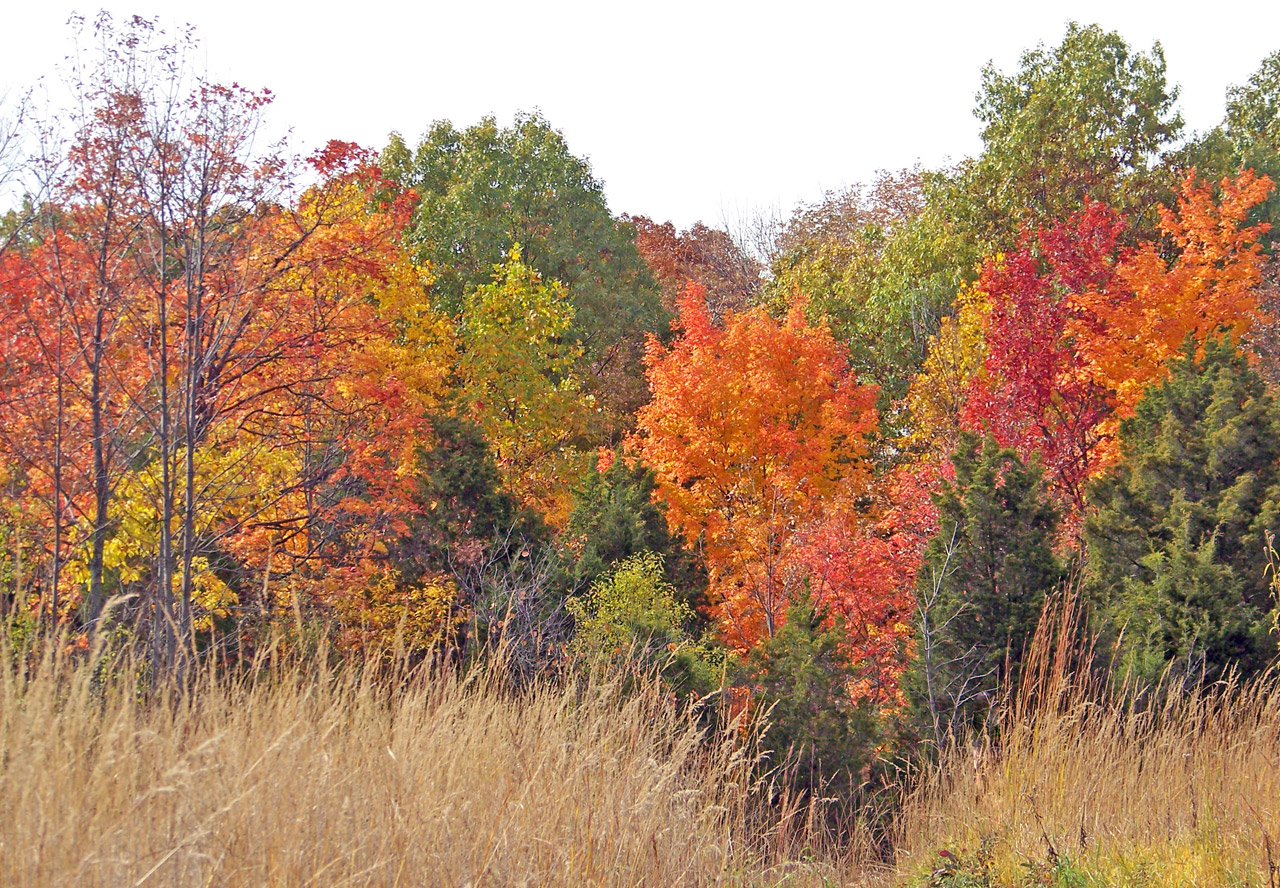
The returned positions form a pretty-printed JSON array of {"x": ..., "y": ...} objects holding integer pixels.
[{"x": 752, "y": 429}]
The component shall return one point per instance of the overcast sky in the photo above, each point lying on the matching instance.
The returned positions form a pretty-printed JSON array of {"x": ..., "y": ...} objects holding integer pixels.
[{"x": 687, "y": 110}]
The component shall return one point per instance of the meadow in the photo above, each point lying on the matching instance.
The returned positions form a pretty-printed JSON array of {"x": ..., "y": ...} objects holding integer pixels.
[{"x": 294, "y": 774}]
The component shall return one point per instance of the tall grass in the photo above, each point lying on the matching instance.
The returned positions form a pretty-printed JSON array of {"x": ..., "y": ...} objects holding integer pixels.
[
  {"x": 301, "y": 776},
  {"x": 1176, "y": 786},
  {"x": 304, "y": 775}
]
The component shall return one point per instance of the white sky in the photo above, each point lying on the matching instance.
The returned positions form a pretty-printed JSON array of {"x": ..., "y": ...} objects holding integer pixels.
[{"x": 687, "y": 110}]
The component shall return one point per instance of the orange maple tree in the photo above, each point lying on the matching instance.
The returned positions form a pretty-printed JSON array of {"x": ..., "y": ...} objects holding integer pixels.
[
  {"x": 752, "y": 430},
  {"x": 1127, "y": 330}
]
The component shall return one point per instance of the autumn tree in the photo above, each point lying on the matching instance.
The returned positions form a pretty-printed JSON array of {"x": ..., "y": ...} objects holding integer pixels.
[
  {"x": 350, "y": 366},
  {"x": 939, "y": 393},
  {"x": 1128, "y": 327},
  {"x": 1034, "y": 394},
  {"x": 859, "y": 562},
  {"x": 519, "y": 372},
  {"x": 202, "y": 354},
  {"x": 71, "y": 301},
  {"x": 14, "y": 222},
  {"x": 752, "y": 428},
  {"x": 1074, "y": 326},
  {"x": 704, "y": 255}
]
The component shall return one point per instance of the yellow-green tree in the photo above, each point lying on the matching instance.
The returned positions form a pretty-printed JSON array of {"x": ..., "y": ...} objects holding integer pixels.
[{"x": 519, "y": 382}]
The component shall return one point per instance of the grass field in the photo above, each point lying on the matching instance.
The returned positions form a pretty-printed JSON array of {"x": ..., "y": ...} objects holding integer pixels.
[
  {"x": 1090, "y": 784},
  {"x": 305, "y": 777}
]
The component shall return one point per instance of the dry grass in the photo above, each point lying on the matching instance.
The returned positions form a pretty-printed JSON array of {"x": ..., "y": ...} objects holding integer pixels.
[
  {"x": 1091, "y": 788},
  {"x": 297, "y": 778}
]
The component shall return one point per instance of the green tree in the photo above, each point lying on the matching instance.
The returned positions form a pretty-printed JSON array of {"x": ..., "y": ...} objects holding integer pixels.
[
  {"x": 880, "y": 266},
  {"x": 1087, "y": 119},
  {"x": 1176, "y": 548},
  {"x": 801, "y": 677},
  {"x": 616, "y": 517},
  {"x": 985, "y": 578},
  {"x": 484, "y": 189},
  {"x": 1253, "y": 130}
]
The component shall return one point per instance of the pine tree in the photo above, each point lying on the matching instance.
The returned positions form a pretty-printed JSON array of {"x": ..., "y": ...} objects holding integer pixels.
[
  {"x": 1177, "y": 544},
  {"x": 985, "y": 577},
  {"x": 615, "y": 517},
  {"x": 801, "y": 677}
]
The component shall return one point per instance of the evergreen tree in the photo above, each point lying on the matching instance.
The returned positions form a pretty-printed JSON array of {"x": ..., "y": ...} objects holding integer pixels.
[
  {"x": 466, "y": 513},
  {"x": 801, "y": 676},
  {"x": 616, "y": 517},
  {"x": 985, "y": 578},
  {"x": 1177, "y": 544}
]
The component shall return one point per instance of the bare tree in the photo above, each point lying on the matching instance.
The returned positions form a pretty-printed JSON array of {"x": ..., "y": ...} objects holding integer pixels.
[{"x": 953, "y": 679}]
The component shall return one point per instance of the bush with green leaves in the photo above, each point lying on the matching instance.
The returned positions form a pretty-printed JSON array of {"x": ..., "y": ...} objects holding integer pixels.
[{"x": 633, "y": 617}]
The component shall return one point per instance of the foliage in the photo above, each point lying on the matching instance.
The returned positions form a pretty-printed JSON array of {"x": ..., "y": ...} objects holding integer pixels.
[
  {"x": 1252, "y": 128},
  {"x": 752, "y": 427},
  {"x": 1130, "y": 327},
  {"x": 1083, "y": 121},
  {"x": 519, "y": 383},
  {"x": 1177, "y": 544},
  {"x": 1033, "y": 394},
  {"x": 706, "y": 256},
  {"x": 1074, "y": 326},
  {"x": 633, "y": 616},
  {"x": 869, "y": 263},
  {"x": 464, "y": 515},
  {"x": 939, "y": 393},
  {"x": 615, "y": 516},
  {"x": 860, "y": 563},
  {"x": 485, "y": 189}
]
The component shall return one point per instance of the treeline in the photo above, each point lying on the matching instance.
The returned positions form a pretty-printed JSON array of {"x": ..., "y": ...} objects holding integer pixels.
[{"x": 438, "y": 397}]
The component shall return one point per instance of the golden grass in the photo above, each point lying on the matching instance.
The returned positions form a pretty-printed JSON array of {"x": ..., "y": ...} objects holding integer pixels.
[
  {"x": 1095, "y": 789},
  {"x": 326, "y": 779},
  {"x": 304, "y": 777}
]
